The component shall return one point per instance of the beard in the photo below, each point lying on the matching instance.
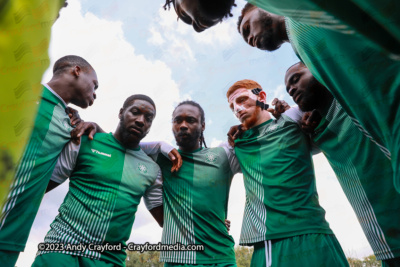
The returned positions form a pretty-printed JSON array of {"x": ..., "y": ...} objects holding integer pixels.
[
  {"x": 186, "y": 140},
  {"x": 251, "y": 121},
  {"x": 127, "y": 135},
  {"x": 267, "y": 39},
  {"x": 314, "y": 95}
]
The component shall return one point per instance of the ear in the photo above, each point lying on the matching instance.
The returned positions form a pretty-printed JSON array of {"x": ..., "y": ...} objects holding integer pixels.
[
  {"x": 262, "y": 97},
  {"x": 77, "y": 71},
  {"x": 203, "y": 126},
  {"x": 120, "y": 113}
]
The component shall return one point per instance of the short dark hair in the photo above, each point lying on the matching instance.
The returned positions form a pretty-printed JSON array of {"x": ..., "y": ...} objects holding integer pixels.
[
  {"x": 247, "y": 8},
  {"x": 132, "y": 98},
  {"x": 300, "y": 63},
  {"x": 212, "y": 8},
  {"x": 70, "y": 61}
]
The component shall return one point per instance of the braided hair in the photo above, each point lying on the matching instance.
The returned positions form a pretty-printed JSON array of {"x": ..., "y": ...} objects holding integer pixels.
[{"x": 202, "y": 117}]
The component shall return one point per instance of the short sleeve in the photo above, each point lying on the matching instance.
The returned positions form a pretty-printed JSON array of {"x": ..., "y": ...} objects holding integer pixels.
[
  {"x": 233, "y": 162},
  {"x": 153, "y": 196},
  {"x": 295, "y": 114},
  {"x": 66, "y": 163},
  {"x": 152, "y": 149}
]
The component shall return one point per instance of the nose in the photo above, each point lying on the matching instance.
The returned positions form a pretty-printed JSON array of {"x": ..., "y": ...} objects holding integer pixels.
[
  {"x": 140, "y": 120},
  {"x": 237, "y": 108},
  {"x": 292, "y": 90},
  {"x": 183, "y": 126},
  {"x": 250, "y": 40}
]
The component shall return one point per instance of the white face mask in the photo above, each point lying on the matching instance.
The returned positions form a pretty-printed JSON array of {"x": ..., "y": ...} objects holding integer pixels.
[{"x": 240, "y": 93}]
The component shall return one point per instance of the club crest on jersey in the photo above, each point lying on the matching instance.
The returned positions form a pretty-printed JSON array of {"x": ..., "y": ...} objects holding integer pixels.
[
  {"x": 273, "y": 127},
  {"x": 66, "y": 125},
  {"x": 142, "y": 168},
  {"x": 211, "y": 158}
]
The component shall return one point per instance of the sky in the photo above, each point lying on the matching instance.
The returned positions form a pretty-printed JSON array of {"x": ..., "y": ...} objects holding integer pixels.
[{"x": 138, "y": 47}]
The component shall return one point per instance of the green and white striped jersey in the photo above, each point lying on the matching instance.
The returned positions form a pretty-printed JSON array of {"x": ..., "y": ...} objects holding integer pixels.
[
  {"x": 346, "y": 50},
  {"x": 375, "y": 21},
  {"x": 24, "y": 40},
  {"x": 351, "y": 68},
  {"x": 195, "y": 205},
  {"x": 281, "y": 195},
  {"x": 365, "y": 175},
  {"x": 107, "y": 182},
  {"x": 50, "y": 134}
]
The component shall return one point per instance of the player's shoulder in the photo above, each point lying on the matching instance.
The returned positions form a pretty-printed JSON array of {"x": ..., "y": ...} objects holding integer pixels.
[
  {"x": 146, "y": 164},
  {"x": 294, "y": 114}
]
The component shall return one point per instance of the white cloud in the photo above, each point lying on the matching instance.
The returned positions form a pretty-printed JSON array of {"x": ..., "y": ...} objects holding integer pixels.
[
  {"x": 215, "y": 142},
  {"x": 218, "y": 35},
  {"x": 156, "y": 38},
  {"x": 279, "y": 92}
]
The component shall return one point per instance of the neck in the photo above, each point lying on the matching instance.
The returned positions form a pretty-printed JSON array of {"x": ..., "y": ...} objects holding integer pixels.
[
  {"x": 325, "y": 103},
  {"x": 62, "y": 88},
  {"x": 124, "y": 139},
  {"x": 189, "y": 149}
]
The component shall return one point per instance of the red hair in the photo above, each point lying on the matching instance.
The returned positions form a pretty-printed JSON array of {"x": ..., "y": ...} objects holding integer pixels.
[{"x": 246, "y": 84}]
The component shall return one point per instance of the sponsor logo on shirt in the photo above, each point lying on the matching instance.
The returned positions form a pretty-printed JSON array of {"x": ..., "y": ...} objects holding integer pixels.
[
  {"x": 211, "y": 158},
  {"x": 101, "y": 153},
  {"x": 142, "y": 168}
]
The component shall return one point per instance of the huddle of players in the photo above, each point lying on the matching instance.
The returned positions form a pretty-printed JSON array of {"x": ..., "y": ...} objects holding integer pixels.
[
  {"x": 282, "y": 217},
  {"x": 352, "y": 49}
]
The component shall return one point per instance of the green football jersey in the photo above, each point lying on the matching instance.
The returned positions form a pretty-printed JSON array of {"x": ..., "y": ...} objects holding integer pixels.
[
  {"x": 281, "y": 195},
  {"x": 377, "y": 21},
  {"x": 195, "y": 205},
  {"x": 107, "y": 182},
  {"x": 372, "y": 96},
  {"x": 365, "y": 175},
  {"x": 347, "y": 49},
  {"x": 50, "y": 134}
]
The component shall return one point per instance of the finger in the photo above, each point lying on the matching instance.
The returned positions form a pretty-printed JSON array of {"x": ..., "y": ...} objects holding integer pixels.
[
  {"x": 285, "y": 105},
  {"x": 76, "y": 141},
  {"x": 231, "y": 142},
  {"x": 92, "y": 133},
  {"x": 273, "y": 103},
  {"x": 79, "y": 132},
  {"x": 305, "y": 117},
  {"x": 314, "y": 116},
  {"x": 180, "y": 162},
  {"x": 235, "y": 136},
  {"x": 278, "y": 106}
]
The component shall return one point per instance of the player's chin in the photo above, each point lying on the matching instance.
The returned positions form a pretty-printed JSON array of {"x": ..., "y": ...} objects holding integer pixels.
[{"x": 84, "y": 105}]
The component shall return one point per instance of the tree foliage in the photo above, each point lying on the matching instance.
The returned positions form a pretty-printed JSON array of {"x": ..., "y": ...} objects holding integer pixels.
[{"x": 243, "y": 259}]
